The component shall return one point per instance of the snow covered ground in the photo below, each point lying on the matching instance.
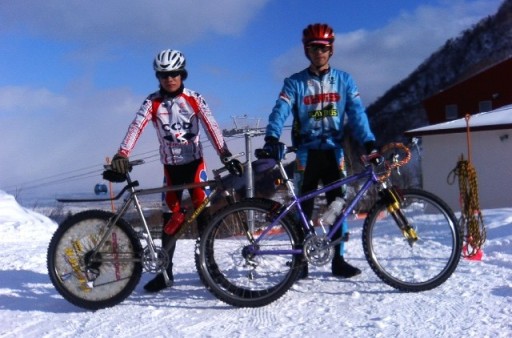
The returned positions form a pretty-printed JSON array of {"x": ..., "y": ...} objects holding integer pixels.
[{"x": 475, "y": 302}]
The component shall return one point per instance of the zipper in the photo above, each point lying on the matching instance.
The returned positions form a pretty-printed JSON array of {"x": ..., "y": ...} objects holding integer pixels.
[{"x": 322, "y": 106}]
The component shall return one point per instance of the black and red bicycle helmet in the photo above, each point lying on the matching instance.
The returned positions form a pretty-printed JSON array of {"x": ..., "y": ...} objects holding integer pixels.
[{"x": 319, "y": 33}]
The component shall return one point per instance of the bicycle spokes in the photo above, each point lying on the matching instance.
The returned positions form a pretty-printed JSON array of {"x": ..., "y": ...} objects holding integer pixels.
[
  {"x": 74, "y": 263},
  {"x": 91, "y": 270},
  {"x": 244, "y": 272},
  {"x": 396, "y": 252}
]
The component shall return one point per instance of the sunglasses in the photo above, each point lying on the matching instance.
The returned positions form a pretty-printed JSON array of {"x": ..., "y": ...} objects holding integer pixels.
[
  {"x": 319, "y": 48},
  {"x": 165, "y": 75}
]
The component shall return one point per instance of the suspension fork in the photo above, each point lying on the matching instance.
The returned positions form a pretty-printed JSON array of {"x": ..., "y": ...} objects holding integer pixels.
[
  {"x": 393, "y": 200},
  {"x": 132, "y": 198},
  {"x": 92, "y": 258},
  {"x": 109, "y": 228}
]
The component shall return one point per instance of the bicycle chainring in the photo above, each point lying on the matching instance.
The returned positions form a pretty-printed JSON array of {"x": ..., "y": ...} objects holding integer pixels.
[
  {"x": 317, "y": 250},
  {"x": 153, "y": 265}
]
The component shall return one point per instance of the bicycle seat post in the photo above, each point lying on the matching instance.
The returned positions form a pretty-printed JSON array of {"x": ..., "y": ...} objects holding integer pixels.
[
  {"x": 287, "y": 181},
  {"x": 128, "y": 179}
]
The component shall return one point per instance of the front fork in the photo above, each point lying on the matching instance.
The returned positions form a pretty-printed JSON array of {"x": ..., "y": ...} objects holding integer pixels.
[{"x": 392, "y": 199}]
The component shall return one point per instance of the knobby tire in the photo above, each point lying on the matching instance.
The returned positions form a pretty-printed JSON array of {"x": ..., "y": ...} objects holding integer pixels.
[
  {"x": 432, "y": 258},
  {"x": 233, "y": 275}
]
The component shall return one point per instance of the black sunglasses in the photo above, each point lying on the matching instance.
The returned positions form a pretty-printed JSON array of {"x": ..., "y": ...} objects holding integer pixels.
[
  {"x": 165, "y": 75},
  {"x": 319, "y": 48}
]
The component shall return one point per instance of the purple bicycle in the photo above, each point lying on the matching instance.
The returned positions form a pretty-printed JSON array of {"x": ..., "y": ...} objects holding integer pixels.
[{"x": 252, "y": 251}]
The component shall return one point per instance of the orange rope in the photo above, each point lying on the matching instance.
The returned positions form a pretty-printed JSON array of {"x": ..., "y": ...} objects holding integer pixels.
[
  {"x": 471, "y": 215},
  {"x": 468, "y": 136}
]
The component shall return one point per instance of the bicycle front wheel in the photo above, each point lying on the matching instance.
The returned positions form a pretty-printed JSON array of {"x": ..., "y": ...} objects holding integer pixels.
[
  {"x": 240, "y": 271},
  {"x": 413, "y": 266},
  {"x": 94, "y": 281}
]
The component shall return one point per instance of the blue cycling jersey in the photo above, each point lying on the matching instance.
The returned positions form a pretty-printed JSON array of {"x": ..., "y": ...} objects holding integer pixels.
[{"x": 321, "y": 106}]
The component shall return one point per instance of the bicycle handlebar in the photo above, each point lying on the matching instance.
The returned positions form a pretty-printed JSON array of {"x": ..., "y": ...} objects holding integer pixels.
[
  {"x": 371, "y": 159},
  {"x": 216, "y": 172},
  {"x": 261, "y": 153},
  {"x": 232, "y": 165},
  {"x": 394, "y": 162},
  {"x": 130, "y": 164},
  {"x": 233, "y": 157},
  {"x": 391, "y": 164}
]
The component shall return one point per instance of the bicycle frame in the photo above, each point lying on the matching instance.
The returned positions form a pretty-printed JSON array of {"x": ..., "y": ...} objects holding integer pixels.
[
  {"x": 368, "y": 174},
  {"x": 216, "y": 186}
]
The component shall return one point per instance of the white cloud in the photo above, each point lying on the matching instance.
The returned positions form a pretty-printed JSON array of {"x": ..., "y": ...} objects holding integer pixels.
[
  {"x": 128, "y": 22},
  {"x": 58, "y": 133},
  {"x": 18, "y": 100}
]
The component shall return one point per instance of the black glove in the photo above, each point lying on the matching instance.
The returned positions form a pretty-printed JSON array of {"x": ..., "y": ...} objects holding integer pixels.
[
  {"x": 235, "y": 167},
  {"x": 276, "y": 149},
  {"x": 373, "y": 153},
  {"x": 370, "y": 147},
  {"x": 120, "y": 164}
]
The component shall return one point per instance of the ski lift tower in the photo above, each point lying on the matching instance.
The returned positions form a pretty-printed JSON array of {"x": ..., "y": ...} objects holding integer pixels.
[{"x": 244, "y": 126}]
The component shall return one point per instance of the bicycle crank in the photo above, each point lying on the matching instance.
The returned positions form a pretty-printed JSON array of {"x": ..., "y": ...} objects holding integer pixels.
[
  {"x": 155, "y": 264},
  {"x": 317, "y": 250}
]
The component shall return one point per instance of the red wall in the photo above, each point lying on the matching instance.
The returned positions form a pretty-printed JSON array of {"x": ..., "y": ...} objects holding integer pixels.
[{"x": 493, "y": 84}]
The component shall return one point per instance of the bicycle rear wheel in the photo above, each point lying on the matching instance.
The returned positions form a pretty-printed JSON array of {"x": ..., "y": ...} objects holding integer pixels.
[
  {"x": 424, "y": 264},
  {"x": 229, "y": 269},
  {"x": 94, "y": 282}
]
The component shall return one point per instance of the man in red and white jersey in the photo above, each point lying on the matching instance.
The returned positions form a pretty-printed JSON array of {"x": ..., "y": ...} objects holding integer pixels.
[{"x": 176, "y": 113}]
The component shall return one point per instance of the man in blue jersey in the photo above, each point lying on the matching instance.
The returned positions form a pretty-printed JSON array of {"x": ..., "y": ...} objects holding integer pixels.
[{"x": 322, "y": 100}]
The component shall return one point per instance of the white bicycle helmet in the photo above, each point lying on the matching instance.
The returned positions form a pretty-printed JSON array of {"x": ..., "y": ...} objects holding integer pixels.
[{"x": 169, "y": 60}]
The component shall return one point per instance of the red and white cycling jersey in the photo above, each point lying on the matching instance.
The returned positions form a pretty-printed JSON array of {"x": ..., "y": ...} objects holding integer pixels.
[{"x": 176, "y": 120}]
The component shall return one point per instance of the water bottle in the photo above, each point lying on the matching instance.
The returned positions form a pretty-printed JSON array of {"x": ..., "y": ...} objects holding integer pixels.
[
  {"x": 175, "y": 222},
  {"x": 333, "y": 211}
]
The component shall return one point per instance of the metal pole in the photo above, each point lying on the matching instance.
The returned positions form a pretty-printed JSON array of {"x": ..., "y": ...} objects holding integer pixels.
[{"x": 248, "y": 175}]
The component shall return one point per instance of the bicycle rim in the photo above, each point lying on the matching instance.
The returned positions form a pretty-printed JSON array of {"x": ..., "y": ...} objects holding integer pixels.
[
  {"x": 426, "y": 263},
  {"x": 238, "y": 278},
  {"x": 111, "y": 278}
]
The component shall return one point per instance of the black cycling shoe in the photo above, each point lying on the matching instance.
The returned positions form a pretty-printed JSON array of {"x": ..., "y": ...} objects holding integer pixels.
[
  {"x": 340, "y": 268},
  {"x": 304, "y": 273},
  {"x": 158, "y": 283}
]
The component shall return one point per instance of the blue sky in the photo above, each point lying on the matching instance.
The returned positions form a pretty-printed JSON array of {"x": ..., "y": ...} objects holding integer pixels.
[{"x": 73, "y": 73}]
